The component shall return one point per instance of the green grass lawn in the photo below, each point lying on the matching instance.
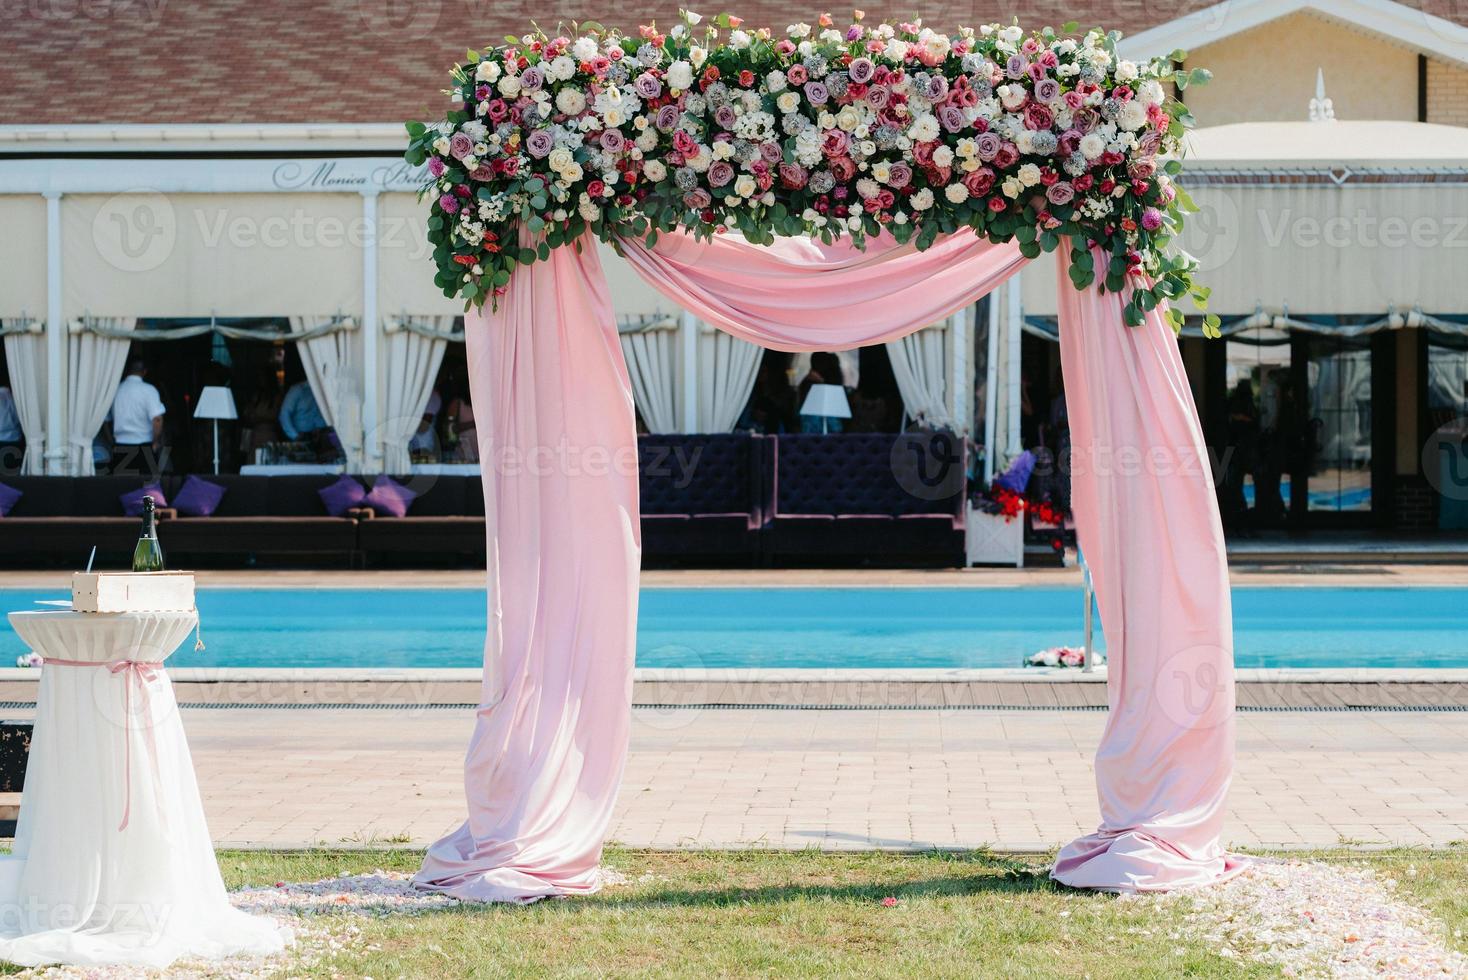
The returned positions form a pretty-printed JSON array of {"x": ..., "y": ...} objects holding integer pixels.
[{"x": 716, "y": 914}]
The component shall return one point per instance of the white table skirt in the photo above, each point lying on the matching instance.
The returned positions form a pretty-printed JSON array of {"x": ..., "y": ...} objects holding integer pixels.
[
  {"x": 291, "y": 469},
  {"x": 77, "y": 889}
]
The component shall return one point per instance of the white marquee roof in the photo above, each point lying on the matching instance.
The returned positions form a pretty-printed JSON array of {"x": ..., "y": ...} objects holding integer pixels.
[{"x": 1358, "y": 144}]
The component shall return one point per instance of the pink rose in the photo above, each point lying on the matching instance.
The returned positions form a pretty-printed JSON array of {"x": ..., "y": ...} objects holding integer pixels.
[
  {"x": 979, "y": 182},
  {"x": 1060, "y": 193},
  {"x": 1038, "y": 116},
  {"x": 720, "y": 173},
  {"x": 835, "y": 143},
  {"x": 460, "y": 146},
  {"x": 899, "y": 175},
  {"x": 685, "y": 143},
  {"x": 797, "y": 75}
]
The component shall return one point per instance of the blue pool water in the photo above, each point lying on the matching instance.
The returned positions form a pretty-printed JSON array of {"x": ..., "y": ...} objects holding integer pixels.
[{"x": 800, "y": 627}]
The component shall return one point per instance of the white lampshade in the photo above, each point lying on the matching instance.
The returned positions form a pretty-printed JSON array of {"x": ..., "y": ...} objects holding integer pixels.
[
  {"x": 215, "y": 402},
  {"x": 828, "y": 401}
]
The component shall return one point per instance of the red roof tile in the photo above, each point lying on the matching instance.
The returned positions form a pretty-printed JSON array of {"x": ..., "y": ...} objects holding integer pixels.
[{"x": 354, "y": 61}]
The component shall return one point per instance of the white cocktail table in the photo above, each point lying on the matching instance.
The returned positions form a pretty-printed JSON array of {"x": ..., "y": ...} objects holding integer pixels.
[{"x": 112, "y": 860}]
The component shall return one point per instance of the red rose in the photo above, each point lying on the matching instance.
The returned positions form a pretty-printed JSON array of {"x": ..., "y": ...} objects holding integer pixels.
[
  {"x": 997, "y": 204},
  {"x": 979, "y": 182},
  {"x": 746, "y": 78},
  {"x": 596, "y": 188}
]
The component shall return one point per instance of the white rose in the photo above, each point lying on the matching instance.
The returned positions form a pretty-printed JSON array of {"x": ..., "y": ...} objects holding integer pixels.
[
  {"x": 559, "y": 159},
  {"x": 788, "y": 101},
  {"x": 798, "y": 30},
  {"x": 1012, "y": 96},
  {"x": 957, "y": 193},
  {"x": 509, "y": 86},
  {"x": 1029, "y": 175},
  {"x": 776, "y": 81},
  {"x": 745, "y": 186},
  {"x": 680, "y": 75},
  {"x": 584, "y": 49},
  {"x": 441, "y": 146},
  {"x": 882, "y": 170},
  {"x": 487, "y": 71},
  {"x": 697, "y": 56},
  {"x": 924, "y": 129},
  {"x": 847, "y": 119},
  {"x": 1013, "y": 187},
  {"x": 1133, "y": 116},
  {"x": 867, "y": 148},
  {"x": 1012, "y": 34},
  {"x": 571, "y": 101},
  {"x": 896, "y": 49},
  {"x": 1126, "y": 71},
  {"x": 613, "y": 117}
]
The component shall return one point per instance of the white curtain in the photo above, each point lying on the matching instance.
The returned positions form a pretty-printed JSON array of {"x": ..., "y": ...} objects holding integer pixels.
[
  {"x": 94, "y": 370},
  {"x": 333, "y": 376},
  {"x": 26, "y": 355},
  {"x": 413, "y": 360},
  {"x": 649, "y": 345},
  {"x": 727, "y": 367},
  {"x": 920, "y": 365}
]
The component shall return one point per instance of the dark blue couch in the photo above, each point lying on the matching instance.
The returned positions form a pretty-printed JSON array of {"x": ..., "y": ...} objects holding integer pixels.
[
  {"x": 870, "y": 497},
  {"x": 703, "y": 496}
]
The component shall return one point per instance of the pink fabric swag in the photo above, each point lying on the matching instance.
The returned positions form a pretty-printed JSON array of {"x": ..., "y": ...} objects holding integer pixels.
[{"x": 561, "y": 500}]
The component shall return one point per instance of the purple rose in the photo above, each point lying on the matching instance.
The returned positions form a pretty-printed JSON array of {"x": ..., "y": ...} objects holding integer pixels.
[
  {"x": 1016, "y": 66},
  {"x": 952, "y": 118},
  {"x": 1151, "y": 219},
  {"x": 937, "y": 87},
  {"x": 1085, "y": 119},
  {"x": 532, "y": 78},
  {"x": 539, "y": 143},
  {"x": 878, "y": 97},
  {"x": 725, "y": 117},
  {"x": 448, "y": 203},
  {"x": 648, "y": 86},
  {"x": 1060, "y": 192},
  {"x": 861, "y": 70},
  {"x": 720, "y": 173},
  {"x": 817, "y": 93},
  {"x": 1047, "y": 90},
  {"x": 697, "y": 199},
  {"x": 899, "y": 175},
  {"x": 771, "y": 152},
  {"x": 612, "y": 141},
  {"x": 667, "y": 117},
  {"x": 436, "y": 167},
  {"x": 988, "y": 144},
  {"x": 460, "y": 146},
  {"x": 853, "y": 32}
]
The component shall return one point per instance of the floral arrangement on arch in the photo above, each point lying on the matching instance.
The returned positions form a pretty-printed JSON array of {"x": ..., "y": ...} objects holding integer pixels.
[{"x": 825, "y": 131}]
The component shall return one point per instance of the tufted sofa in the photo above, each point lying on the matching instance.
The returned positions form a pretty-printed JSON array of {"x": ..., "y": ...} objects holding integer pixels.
[
  {"x": 869, "y": 496},
  {"x": 703, "y": 496},
  {"x": 446, "y": 521}
]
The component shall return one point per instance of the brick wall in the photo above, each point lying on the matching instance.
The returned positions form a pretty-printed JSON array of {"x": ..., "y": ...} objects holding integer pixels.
[
  {"x": 1447, "y": 93},
  {"x": 1416, "y": 505}
]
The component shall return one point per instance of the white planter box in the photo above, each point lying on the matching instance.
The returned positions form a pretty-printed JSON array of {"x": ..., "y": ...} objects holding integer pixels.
[{"x": 994, "y": 541}]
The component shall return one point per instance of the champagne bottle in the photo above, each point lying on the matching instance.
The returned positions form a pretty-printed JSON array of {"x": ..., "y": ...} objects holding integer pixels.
[{"x": 148, "y": 555}]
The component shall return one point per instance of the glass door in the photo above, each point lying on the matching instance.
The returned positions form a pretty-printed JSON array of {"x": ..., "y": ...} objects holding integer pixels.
[
  {"x": 1338, "y": 424},
  {"x": 1258, "y": 428}
]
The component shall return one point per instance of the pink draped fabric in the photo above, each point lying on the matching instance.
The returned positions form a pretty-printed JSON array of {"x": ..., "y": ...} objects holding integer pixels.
[
  {"x": 803, "y": 295},
  {"x": 1148, "y": 523},
  {"x": 557, "y": 446},
  {"x": 558, "y": 451}
]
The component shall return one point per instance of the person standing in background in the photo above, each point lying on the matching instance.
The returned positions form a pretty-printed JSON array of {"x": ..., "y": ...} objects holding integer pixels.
[
  {"x": 12, "y": 438},
  {"x": 137, "y": 424},
  {"x": 425, "y": 440},
  {"x": 300, "y": 417}
]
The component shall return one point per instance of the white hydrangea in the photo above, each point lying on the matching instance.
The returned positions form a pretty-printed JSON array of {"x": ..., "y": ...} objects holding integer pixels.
[
  {"x": 1133, "y": 116},
  {"x": 1093, "y": 145},
  {"x": 584, "y": 49},
  {"x": 924, "y": 129},
  {"x": 922, "y": 200},
  {"x": 561, "y": 68},
  {"x": 957, "y": 193},
  {"x": 739, "y": 39},
  {"x": 654, "y": 170},
  {"x": 680, "y": 75},
  {"x": 571, "y": 101},
  {"x": 1151, "y": 92}
]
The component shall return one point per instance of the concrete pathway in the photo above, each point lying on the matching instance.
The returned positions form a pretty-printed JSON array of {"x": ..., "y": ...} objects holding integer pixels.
[{"x": 831, "y": 779}]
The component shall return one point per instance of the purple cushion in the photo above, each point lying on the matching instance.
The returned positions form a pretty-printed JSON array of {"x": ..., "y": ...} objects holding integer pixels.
[
  {"x": 198, "y": 498},
  {"x": 9, "y": 496},
  {"x": 342, "y": 495},
  {"x": 132, "y": 501},
  {"x": 389, "y": 498},
  {"x": 1017, "y": 477}
]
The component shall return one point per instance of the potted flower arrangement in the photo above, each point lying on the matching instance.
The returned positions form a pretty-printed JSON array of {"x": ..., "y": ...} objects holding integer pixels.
[
  {"x": 996, "y": 526},
  {"x": 1064, "y": 657}
]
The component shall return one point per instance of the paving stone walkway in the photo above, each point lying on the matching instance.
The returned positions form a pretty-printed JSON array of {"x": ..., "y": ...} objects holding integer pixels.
[{"x": 831, "y": 779}]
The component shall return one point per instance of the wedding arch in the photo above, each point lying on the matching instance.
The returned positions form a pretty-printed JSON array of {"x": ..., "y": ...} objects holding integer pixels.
[{"x": 821, "y": 188}]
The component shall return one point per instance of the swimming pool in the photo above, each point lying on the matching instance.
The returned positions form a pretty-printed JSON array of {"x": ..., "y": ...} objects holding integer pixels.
[{"x": 1288, "y": 626}]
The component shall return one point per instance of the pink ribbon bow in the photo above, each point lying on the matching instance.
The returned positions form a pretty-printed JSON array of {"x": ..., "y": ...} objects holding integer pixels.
[{"x": 143, "y": 672}]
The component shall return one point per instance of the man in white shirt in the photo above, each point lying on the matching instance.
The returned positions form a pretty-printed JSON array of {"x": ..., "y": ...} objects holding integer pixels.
[
  {"x": 137, "y": 424},
  {"x": 11, "y": 436}
]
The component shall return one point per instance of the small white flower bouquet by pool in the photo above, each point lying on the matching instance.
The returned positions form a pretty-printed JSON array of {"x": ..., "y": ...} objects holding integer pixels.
[{"x": 1063, "y": 657}]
